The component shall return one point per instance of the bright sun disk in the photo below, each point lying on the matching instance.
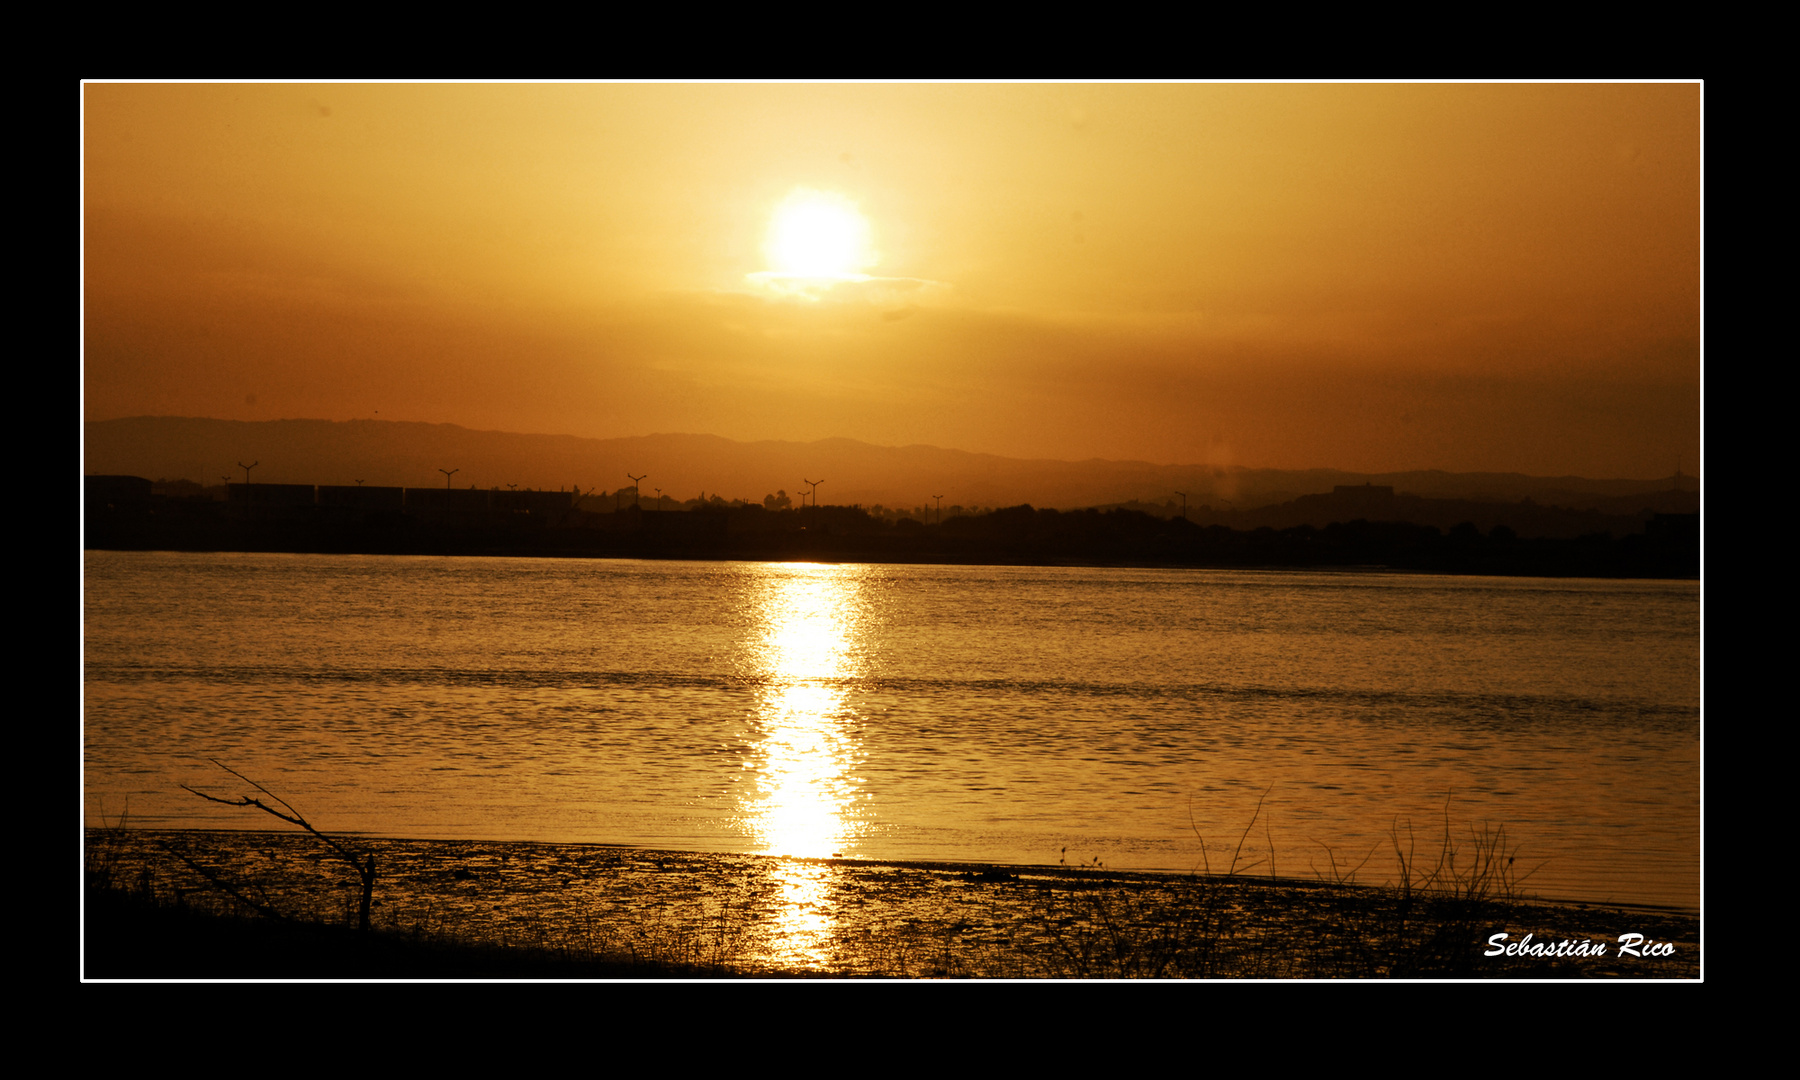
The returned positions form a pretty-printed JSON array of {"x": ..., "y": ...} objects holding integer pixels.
[{"x": 818, "y": 234}]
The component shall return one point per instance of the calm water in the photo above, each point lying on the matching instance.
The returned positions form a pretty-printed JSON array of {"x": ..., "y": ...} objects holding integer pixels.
[{"x": 1005, "y": 714}]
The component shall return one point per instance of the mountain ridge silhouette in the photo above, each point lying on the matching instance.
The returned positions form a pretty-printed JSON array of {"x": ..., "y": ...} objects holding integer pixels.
[{"x": 411, "y": 454}]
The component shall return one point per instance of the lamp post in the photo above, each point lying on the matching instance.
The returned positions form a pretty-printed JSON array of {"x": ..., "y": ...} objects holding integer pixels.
[
  {"x": 448, "y": 473},
  {"x": 634, "y": 489},
  {"x": 940, "y": 508},
  {"x": 247, "y": 469}
]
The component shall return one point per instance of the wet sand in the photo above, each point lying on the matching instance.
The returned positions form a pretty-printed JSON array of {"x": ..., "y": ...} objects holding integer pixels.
[{"x": 658, "y": 913}]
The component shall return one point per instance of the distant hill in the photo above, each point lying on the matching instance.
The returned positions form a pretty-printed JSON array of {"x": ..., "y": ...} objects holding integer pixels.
[{"x": 405, "y": 454}]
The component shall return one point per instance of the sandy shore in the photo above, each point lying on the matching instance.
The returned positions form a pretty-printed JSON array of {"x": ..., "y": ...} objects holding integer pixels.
[{"x": 708, "y": 914}]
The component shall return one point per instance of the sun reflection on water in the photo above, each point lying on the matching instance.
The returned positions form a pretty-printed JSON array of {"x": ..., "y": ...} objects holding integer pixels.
[
  {"x": 806, "y": 921},
  {"x": 803, "y": 804},
  {"x": 809, "y": 651}
]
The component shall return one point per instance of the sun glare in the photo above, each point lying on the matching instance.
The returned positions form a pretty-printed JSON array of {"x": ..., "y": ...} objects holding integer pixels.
[{"x": 818, "y": 234}]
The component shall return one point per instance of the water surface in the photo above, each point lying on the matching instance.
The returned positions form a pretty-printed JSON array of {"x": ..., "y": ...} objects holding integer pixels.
[{"x": 1029, "y": 715}]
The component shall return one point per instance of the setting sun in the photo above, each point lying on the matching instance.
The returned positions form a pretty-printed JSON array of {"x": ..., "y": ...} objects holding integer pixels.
[{"x": 818, "y": 234}]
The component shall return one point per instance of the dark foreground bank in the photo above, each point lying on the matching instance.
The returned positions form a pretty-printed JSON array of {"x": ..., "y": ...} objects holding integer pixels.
[{"x": 478, "y": 910}]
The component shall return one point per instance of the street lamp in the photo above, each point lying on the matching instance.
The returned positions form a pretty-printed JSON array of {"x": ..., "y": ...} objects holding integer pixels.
[{"x": 247, "y": 469}]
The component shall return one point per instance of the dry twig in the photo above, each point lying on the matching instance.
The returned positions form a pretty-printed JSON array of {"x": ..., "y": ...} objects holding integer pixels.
[{"x": 364, "y": 869}]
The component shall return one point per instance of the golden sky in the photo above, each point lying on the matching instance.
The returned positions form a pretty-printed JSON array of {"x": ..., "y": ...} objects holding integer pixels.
[{"x": 1366, "y": 277}]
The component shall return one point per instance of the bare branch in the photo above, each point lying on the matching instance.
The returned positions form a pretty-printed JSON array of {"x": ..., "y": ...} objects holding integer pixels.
[
  {"x": 293, "y": 817},
  {"x": 365, "y": 869},
  {"x": 264, "y": 790},
  {"x": 245, "y": 800}
]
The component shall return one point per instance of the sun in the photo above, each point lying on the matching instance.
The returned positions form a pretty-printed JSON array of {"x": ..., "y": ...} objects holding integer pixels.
[{"x": 818, "y": 234}]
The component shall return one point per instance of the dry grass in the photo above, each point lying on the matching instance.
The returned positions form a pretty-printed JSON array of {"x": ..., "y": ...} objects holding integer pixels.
[{"x": 467, "y": 909}]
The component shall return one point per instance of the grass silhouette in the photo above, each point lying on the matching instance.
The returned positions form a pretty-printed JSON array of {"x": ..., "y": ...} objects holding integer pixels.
[{"x": 455, "y": 909}]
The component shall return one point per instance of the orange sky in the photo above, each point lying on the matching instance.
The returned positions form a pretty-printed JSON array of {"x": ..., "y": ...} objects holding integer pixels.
[{"x": 1366, "y": 277}]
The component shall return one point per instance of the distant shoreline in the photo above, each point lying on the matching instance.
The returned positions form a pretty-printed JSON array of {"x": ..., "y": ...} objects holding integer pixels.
[{"x": 1015, "y": 537}]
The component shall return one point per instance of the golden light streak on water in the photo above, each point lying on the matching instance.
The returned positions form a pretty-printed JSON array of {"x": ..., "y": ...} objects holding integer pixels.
[
  {"x": 801, "y": 804},
  {"x": 807, "y": 919}
]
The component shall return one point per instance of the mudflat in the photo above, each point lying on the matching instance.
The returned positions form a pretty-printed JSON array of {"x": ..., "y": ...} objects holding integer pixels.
[{"x": 477, "y": 909}]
